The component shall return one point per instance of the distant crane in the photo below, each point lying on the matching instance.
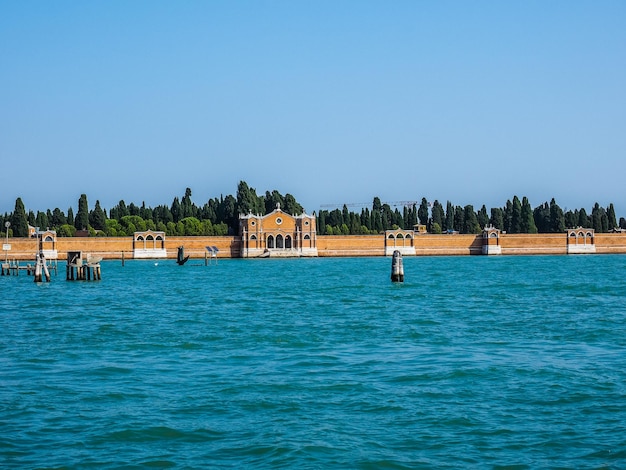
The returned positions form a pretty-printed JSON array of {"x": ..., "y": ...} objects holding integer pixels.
[{"x": 368, "y": 204}]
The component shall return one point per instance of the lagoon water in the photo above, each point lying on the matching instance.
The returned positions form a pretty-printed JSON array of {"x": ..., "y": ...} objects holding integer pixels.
[{"x": 472, "y": 362}]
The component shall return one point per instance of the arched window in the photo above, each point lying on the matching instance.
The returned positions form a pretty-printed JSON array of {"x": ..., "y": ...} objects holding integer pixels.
[
  {"x": 270, "y": 241},
  {"x": 307, "y": 237},
  {"x": 253, "y": 237},
  {"x": 279, "y": 241},
  {"x": 288, "y": 242}
]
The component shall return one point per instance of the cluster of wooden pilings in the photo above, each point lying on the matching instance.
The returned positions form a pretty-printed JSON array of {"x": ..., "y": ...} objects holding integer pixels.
[
  {"x": 14, "y": 268},
  {"x": 79, "y": 270},
  {"x": 85, "y": 272}
]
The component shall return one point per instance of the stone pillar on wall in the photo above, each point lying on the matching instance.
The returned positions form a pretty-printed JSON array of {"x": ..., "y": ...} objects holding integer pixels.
[{"x": 491, "y": 241}]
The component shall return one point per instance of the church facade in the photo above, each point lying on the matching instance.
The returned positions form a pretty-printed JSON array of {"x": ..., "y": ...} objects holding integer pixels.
[{"x": 277, "y": 234}]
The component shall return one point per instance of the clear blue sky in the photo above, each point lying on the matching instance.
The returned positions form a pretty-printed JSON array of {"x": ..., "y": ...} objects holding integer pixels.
[{"x": 331, "y": 101}]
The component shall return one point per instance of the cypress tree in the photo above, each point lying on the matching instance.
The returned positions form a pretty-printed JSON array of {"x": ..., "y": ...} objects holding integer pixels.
[
  {"x": 422, "y": 212},
  {"x": 459, "y": 219},
  {"x": 571, "y": 219},
  {"x": 516, "y": 216},
  {"x": 470, "y": 221},
  {"x": 19, "y": 222},
  {"x": 483, "y": 218},
  {"x": 557, "y": 220},
  {"x": 97, "y": 217},
  {"x": 186, "y": 206},
  {"x": 527, "y": 223},
  {"x": 541, "y": 214},
  {"x": 70, "y": 216},
  {"x": 437, "y": 214},
  {"x": 387, "y": 217},
  {"x": 82, "y": 216},
  {"x": 366, "y": 219},
  {"x": 508, "y": 215},
  {"x": 497, "y": 218},
  {"x": 449, "y": 220},
  {"x": 58, "y": 218},
  {"x": 612, "y": 220},
  {"x": 583, "y": 218},
  {"x": 321, "y": 222},
  {"x": 41, "y": 220},
  {"x": 176, "y": 210}
]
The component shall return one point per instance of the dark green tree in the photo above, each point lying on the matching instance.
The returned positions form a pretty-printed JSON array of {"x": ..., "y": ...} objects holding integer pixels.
[
  {"x": 599, "y": 219},
  {"x": 571, "y": 219},
  {"x": 508, "y": 216},
  {"x": 58, "y": 218},
  {"x": 437, "y": 215},
  {"x": 557, "y": 219},
  {"x": 97, "y": 217},
  {"x": 422, "y": 212},
  {"x": 483, "y": 217},
  {"x": 176, "y": 210},
  {"x": 41, "y": 220},
  {"x": 186, "y": 206},
  {"x": 321, "y": 222},
  {"x": 228, "y": 210},
  {"x": 247, "y": 200},
  {"x": 470, "y": 221},
  {"x": 583, "y": 218},
  {"x": 292, "y": 206},
  {"x": 377, "y": 218},
  {"x": 82, "y": 216},
  {"x": 459, "y": 219},
  {"x": 516, "y": 216},
  {"x": 497, "y": 218},
  {"x": 527, "y": 222},
  {"x": 612, "y": 220},
  {"x": 19, "y": 221},
  {"x": 541, "y": 214},
  {"x": 272, "y": 199},
  {"x": 70, "y": 217},
  {"x": 133, "y": 209},
  {"x": 345, "y": 214},
  {"x": 366, "y": 219},
  {"x": 387, "y": 217},
  {"x": 449, "y": 220}
]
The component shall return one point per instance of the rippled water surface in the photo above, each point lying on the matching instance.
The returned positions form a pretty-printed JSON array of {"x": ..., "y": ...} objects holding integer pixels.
[{"x": 472, "y": 362}]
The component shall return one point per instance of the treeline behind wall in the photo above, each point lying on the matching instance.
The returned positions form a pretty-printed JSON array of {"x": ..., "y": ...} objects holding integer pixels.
[{"x": 220, "y": 216}]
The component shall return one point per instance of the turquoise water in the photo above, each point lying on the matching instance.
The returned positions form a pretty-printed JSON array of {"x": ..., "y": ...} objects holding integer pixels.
[{"x": 473, "y": 362}]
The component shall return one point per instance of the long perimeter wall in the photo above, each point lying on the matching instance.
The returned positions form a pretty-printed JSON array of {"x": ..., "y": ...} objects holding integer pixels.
[{"x": 327, "y": 246}]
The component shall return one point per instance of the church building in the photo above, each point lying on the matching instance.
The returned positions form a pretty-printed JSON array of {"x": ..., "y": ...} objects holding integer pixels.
[{"x": 277, "y": 234}]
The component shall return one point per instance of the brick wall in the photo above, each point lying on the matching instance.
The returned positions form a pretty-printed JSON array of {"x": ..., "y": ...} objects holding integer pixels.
[{"x": 327, "y": 245}]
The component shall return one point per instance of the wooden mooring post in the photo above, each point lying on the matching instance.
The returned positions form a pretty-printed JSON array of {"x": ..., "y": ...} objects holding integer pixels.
[{"x": 397, "y": 269}]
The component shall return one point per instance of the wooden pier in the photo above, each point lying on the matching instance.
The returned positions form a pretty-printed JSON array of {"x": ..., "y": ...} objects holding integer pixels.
[
  {"x": 82, "y": 270},
  {"x": 13, "y": 268}
]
